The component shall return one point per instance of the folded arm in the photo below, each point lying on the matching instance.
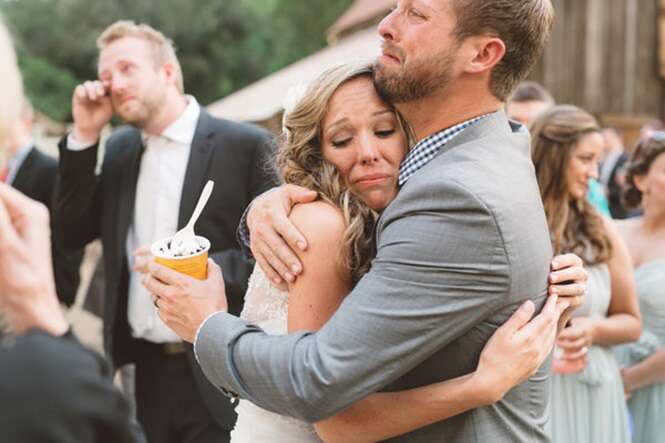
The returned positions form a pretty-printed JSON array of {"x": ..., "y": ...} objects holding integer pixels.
[
  {"x": 649, "y": 371},
  {"x": 515, "y": 352}
]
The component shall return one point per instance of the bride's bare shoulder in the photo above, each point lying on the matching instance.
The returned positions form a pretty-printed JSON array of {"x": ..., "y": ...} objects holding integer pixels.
[{"x": 320, "y": 222}]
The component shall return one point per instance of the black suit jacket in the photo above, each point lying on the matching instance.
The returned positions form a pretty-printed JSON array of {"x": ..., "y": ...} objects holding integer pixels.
[
  {"x": 54, "y": 390},
  {"x": 36, "y": 179},
  {"x": 234, "y": 155}
]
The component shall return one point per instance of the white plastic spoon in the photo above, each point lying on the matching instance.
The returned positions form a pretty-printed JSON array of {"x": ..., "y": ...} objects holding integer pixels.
[{"x": 185, "y": 236}]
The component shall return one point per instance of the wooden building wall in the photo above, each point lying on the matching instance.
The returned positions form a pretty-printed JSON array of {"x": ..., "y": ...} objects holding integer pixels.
[
  {"x": 661, "y": 34},
  {"x": 606, "y": 56}
]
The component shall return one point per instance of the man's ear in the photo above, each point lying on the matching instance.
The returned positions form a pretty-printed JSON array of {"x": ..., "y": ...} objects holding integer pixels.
[
  {"x": 485, "y": 53},
  {"x": 170, "y": 71},
  {"x": 640, "y": 183}
]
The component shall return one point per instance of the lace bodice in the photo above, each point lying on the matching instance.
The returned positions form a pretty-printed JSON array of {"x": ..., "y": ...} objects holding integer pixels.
[{"x": 267, "y": 307}]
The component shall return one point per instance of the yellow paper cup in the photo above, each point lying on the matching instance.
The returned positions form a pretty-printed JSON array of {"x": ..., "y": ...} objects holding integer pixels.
[{"x": 195, "y": 266}]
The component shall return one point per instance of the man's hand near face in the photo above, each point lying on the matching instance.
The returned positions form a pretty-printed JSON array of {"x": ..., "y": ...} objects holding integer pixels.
[
  {"x": 92, "y": 109},
  {"x": 183, "y": 302},
  {"x": 27, "y": 289}
]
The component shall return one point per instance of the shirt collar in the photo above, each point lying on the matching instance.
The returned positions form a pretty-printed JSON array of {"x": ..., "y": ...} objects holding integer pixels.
[
  {"x": 426, "y": 149},
  {"x": 183, "y": 128}
]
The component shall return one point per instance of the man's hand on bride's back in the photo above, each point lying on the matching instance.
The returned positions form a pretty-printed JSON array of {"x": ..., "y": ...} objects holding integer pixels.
[
  {"x": 517, "y": 349},
  {"x": 273, "y": 238}
]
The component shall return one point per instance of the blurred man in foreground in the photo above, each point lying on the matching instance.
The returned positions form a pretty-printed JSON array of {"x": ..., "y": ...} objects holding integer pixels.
[
  {"x": 51, "y": 388},
  {"x": 34, "y": 173}
]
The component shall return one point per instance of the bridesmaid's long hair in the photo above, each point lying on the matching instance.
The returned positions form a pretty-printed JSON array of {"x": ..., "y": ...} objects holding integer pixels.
[
  {"x": 301, "y": 162},
  {"x": 575, "y": 225}
]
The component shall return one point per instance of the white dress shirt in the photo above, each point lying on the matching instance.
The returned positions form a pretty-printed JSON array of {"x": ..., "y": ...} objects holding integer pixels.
[{"x": 156, "y": 208}]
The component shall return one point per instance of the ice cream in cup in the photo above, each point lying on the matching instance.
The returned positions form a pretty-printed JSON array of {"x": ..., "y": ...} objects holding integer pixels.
[{"x": 190, "y": 258}]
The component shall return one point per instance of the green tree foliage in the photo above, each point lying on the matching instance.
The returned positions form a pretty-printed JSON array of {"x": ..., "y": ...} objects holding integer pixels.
[
  {"x": 297, "y": 27},
  {"x": 48, "y": 87},
  {"x": 222, "y": 45}
]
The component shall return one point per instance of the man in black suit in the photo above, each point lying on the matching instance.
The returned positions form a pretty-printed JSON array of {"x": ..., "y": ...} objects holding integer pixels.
[
  {"x": 34, "y": 174},
  {"x": 151, "y": 177},
  {"x": 51, "y": 388}
]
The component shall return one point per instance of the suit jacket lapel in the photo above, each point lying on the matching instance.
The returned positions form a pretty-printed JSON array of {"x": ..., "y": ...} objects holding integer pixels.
[
  {"x": 127, "y": 192},
  {"x": 197, "y": 167}
]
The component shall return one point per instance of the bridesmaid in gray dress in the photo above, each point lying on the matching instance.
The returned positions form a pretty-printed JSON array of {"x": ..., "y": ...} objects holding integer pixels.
[
  {"x": 644, "y": 361},
  {"x": 588, "y": 402}
]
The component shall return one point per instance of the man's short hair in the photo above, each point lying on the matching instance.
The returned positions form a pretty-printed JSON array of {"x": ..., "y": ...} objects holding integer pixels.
[
  {"x": 529, "y": 91},
  {"x": 523, "y": 25},
  {"x": 163, "y": 50}
]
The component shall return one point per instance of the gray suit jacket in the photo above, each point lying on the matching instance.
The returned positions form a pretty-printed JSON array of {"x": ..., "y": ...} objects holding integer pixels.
[{"x": 461, "y": 247}]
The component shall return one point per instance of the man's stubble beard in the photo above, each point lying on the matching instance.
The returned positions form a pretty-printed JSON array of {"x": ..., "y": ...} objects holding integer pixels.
[
  {"x": 416, "y": 81},
  {"x": 141, "y": 116}
]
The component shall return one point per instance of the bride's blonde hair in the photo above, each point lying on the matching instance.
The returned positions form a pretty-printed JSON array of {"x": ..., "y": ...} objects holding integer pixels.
[{"x": 301, "y": 162}]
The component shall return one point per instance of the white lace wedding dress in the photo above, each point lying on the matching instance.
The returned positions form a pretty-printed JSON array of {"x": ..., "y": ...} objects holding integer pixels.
[{"x": 267, "y": 307}]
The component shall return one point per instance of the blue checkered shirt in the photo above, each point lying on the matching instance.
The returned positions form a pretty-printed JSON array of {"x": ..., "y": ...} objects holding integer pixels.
[{"x": 426, "y": 149}]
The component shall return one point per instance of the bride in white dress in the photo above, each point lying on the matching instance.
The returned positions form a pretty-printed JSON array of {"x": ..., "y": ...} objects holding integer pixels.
[{"x": 344, "y": 142}]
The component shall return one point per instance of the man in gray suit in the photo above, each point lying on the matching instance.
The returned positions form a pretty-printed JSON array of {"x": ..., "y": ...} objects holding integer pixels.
[{"x": 464, "y": 243}]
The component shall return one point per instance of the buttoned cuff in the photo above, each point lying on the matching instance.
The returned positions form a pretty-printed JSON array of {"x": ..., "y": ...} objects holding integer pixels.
[
  {"x": 214, "y": 346},
  {"x": 198, "y": 331},
  {"x": 73, "y": 144},
  {"x": 230, "y": 394}
]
